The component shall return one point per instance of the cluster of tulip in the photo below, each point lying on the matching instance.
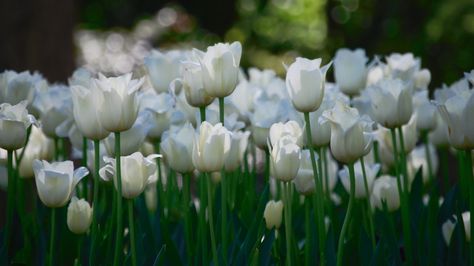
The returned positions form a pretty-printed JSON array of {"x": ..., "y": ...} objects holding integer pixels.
[{"x": 237, "y": 153}]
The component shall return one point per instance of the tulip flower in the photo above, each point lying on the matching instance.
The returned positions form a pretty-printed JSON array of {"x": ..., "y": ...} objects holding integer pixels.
[
  {"x": 272, "y": 214},
  {"x": 56, "y": 181},
  {"x": 79, "y": 216},
  {"x": 304, "y": 181},
  {"x": 192, "y": 82},
  {"x": 86, "y": 104},
  {"x": 392, "y": 104},
  {"x": 119, "y": 110},
  {"x": 351, "y": 136},
  {"x": 424, "y": 111},
  {"x": 285, "y": 158},
  {"x": 371, "y": 173},
  {"x": 177, "y": 148},
  {"x": 14, "y": 122},
  {"x": 17, "y": 87},
  {"x": 290, "y": 128},
  {"x": 137, "y": 172},
  {"x": 220, "y": 68},
  {"x": 39, "y": 147},
  {"x": 238, "y": 146},
  {"x": 422, "y": 79},
  {"x": 418, "y": 159},
  {"x": 55, "y": 106},
  {"x": 163, "y": 68},
  {"x": 403, "y": 66},
  {"x": 211, "y": 147},
  {"x": 385, "y": 190},
  {"x": 350, "y": 70},
  {"x": 305, "y": 80}
]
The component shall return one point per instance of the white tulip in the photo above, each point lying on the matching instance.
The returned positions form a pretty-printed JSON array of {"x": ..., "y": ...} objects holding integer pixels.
[
  {"x": 304, "y": 181},
  {"x": 403, "y": 66},
  {"x": 417, "y": 159},
  {"x": 371, "y": 171},
  {"x": 163, "y": 68},
  {"x": 220, "y": 68},
  {"x": 350, "y": 70},
  {"x": 177, "y": 148},
  {"x": 161, "y": 110},
  {"x": 385, "y": 190},
  {"x": 39, "y": 147},
  {"x": 55, "y": 182},
  {"x": 422, "y": 79},
  {"x": 272, "y": 214},
  {"x": 439, "y": 136},
  {"x": 119, "y": 109},
  {"x": 305, "y": 81},
  {"x": 351, "y": 136},
  {"x": 79, "y": 216},
  {"x": 290, "y": 128},
  {"x": 55, "y": 107},
  {"x": 16, "y": 87},
  {"x": 192, "y": 82},
  {"x": 238, "y": 146},
  {"x": 137, "y": 172},
  {"x": 211, "y": 147},
  {"x": 285, "y": 158},
  {"x": 14, "y": 122},
  {"x": 425, "y": 111},
  {"x": 392, "y": 104}
]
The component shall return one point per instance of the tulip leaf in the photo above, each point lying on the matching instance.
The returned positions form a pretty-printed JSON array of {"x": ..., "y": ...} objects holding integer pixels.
[
  {"x": 266, "y": 247},
  {"x": 159, "y": 257}
]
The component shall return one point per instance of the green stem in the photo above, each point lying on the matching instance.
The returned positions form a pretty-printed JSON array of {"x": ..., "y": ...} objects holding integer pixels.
[
  {"x": 79, "y": 250},
  {"x": 340, "y": 245},
  {"x": 53, "y": 236},
  {"x": 286, "y": 209},
  {"x": 85, "y": 182},
  {"x": 19, "y": 158},
  {"x": 445, "y": 168},
  {"x": 56, "y": 149},
  {"x": 11, "y": 200},
  {"x": 131, "y": 226},
  {"x": 187, "y": 217},
  {"x": 267, "y": 166},
  {"x": 224, "y": 213},
  {"x": 221, "y": 110},
  {"x": 369, "y": 206},
  {"x": 326, "y": 174},
  {"x": 95, "y": 202},
  {"x": 405, "y": 200},
  {"x": 202, "y": 218},
  {"x": 119, "y": 229},
  {"x": 469, "y": 175},
  {"x": 319, "y": 192},
  {"x": 397, "y": 166},
  {"x": 211, "y": 220},
  {"x": 307, "y": 222},
  {"x": 376, "y": 152}
]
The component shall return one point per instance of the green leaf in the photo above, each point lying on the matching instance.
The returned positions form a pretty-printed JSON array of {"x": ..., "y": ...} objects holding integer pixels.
[
  {"x": 266, "y": 247},
  {"x": 159, "y": 257}
]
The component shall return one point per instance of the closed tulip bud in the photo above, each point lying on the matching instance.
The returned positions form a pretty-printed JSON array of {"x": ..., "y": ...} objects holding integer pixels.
[
  {"x": 466, "y": 218},
  {"x": 392, "y": 104},
  {"x": 16, "y": 87},
  {"x": 260, "y": 136},
  {"x": 439, "y": 136},
  {"x": 350, "y": 70},
  {"x": 272, "y": 214},
  {"x": 163, "y": 68},
  {"x": 422, "y": 79},
  {"x": 220, "y": 68},
  {"x": 56, "y": 182},
  {"x": 385, "y": 190},
  {"x": 79, "y": 216},
  {"x": 305, "y": 81},
  {"x": 119, "y": 110},
  {"x": 304, "y": 181},
  {"x": 285, "y": 158},
  {"x": 410, "y": 134},
  {"x": 417, "y": 160},
  {"x": 137, "y": 173},
  {"x": 151, "y": 197},
  {"x": 447, "y": 229},
  {"x": 39, "y": 147},
  {"x": 371, "y": 172},
  {"x": 211, "y": 147},
  {"x": 351, "y": 134},
  {"x": 403, "y": 66},
  {"x": 425, "y": 111},
  {"x": 290, "y": 128},
  {"x": 193, "y": 85},
  {"x": 238, "y": 145},
  {"x": 86, "y": 104},
  {"x": 56, "y": 107},
  {"x": 14, "y": 122},
  {"x": 177, "y": 148},
  {"x": 455, "y": 111}
]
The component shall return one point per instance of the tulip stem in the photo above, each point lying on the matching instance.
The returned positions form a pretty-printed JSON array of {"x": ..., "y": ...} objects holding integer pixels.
[
  {"x": 11, "y": 200},
  {"x": 131, "y": 225},
  {"x": 307, "y": 223},
  {"x": 340, "y": 245},
  {"x": 95, "y": 202},
  {"x": 376, "y": 151},
  {"x": 187, "y": 217},
  {"x": 369, "y": 207},
  {"x": 202, "y": 112},
  {"x": 119, "y": 229},
  {"x": 84, "y": 163},
  {"x": 405, "y": 200},
  {"x": 287, "y": 213},
  {"x": 469, "y": 175},
  {"x": 53, "y": 236},
  {"x": 319, "y": 206},
  {"x": 221, "y": 110},
  {"x": 224, "y": 213},
  {"x": 202, "y": 218},
  {"x": 211, "y": 220},
  {"x": 326, "y": 174}
]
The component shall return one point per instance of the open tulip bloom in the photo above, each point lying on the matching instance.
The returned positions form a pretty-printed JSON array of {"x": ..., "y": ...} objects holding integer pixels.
[{"x": 196, "y": 161}]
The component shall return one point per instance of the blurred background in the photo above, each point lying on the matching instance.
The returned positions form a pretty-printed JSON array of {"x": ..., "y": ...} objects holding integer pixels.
[{"x": 113, "y": 36}]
